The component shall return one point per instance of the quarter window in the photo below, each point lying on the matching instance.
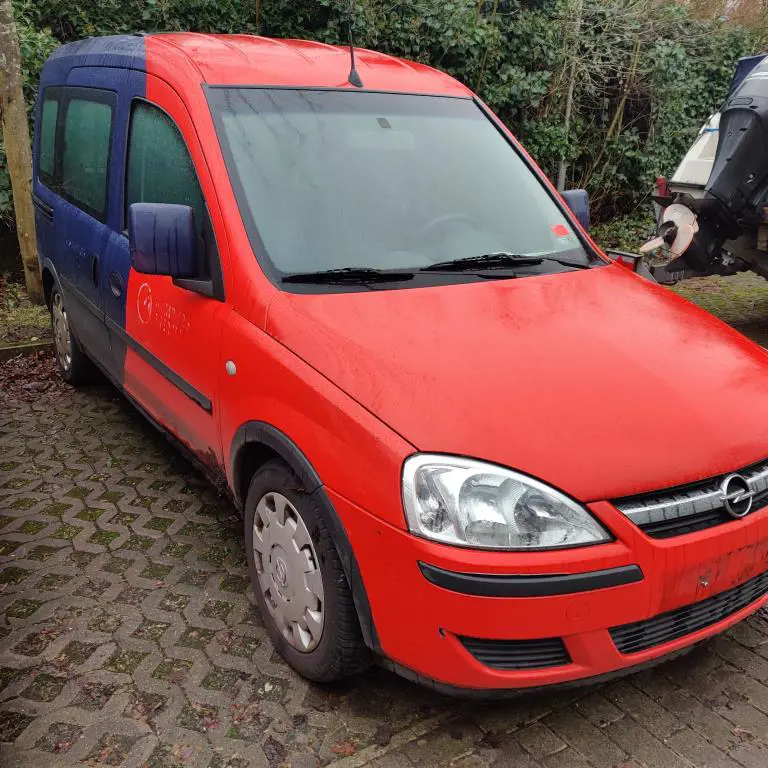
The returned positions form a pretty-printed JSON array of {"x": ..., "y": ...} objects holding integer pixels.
[{"x": 48, "y": 115}]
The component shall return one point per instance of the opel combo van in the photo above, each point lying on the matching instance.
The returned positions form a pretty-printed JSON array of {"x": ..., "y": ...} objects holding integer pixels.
[{"x": 464, "y": 441}]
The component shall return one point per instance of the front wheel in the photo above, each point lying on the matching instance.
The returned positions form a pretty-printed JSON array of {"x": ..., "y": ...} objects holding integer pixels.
[
  {"x": 74, "y": 366},
  {"x": 298, "y": 578}
]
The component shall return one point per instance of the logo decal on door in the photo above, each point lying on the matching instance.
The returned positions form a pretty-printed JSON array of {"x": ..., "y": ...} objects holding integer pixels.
[{"x": 144, "y": 303}]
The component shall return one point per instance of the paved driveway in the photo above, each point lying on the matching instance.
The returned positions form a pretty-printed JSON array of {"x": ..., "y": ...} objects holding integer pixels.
[{"x": 128, "y": 637}]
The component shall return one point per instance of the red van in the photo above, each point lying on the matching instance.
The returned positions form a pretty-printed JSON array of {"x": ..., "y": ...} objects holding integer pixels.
[{"x": 464, "y": 441}]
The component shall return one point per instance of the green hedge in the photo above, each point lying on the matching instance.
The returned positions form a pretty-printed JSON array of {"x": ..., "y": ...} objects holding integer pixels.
[{"x": 647, "y": 74}]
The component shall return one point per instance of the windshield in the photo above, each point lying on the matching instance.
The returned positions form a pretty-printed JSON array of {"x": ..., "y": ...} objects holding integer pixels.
[{"x": 347, "y": 179}]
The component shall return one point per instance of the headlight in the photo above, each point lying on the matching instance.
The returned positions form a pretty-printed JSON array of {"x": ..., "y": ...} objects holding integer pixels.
[{"x": 472, "y": 504}]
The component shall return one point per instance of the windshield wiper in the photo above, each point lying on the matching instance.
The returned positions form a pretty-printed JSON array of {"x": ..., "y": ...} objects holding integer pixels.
[
  {"x": 497, "y": 259},
  {"x": 348, "y": 275}
]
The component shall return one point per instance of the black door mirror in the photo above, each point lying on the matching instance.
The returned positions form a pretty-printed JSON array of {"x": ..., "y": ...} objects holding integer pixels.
[
  {"x": 578, "y": 201},
  {"x": 162, "y": 239}
]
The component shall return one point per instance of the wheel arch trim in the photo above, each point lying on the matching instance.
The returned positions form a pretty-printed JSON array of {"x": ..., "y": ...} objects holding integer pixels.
[
  {"x": 260, "y": 433},
  {"x": 48, "y": 266}
]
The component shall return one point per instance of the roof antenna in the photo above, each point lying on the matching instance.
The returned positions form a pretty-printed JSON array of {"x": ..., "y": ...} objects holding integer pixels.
[{"x": 354, "y": 77}]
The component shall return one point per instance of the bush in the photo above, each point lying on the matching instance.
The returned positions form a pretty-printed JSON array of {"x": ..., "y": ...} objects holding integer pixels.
[
  {"x": 647, "y": 73},
  {"x": 626, "y": 233}
]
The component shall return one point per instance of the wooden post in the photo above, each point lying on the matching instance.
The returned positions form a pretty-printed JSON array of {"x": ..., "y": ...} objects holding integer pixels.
[{"x": 18, "y": 153}]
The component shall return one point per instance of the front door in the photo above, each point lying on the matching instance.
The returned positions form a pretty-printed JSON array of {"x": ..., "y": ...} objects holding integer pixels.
[{"x": 165, "y": 337}]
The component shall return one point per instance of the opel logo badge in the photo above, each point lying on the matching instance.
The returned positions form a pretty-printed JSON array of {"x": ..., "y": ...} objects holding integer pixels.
[
  {"x": 281, "y": 572},
  {"x": 737, "y": 495}
]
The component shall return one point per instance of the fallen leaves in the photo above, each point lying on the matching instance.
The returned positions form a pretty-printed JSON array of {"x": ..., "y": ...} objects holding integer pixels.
[
  {"x": 206, "y": 716},
  {"x": 182, "y": 752},
  {"x": 743, "y": 733},
  {"x": 24, "y": 379},
  {"x": 244, "y": 714},
  {"x": 344, "y": 748}
]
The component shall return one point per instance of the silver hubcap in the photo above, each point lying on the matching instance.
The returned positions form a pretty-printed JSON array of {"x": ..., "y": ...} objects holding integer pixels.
[
  {"x": 288, "y": 571},
  {"x": 61, "y": 332}
]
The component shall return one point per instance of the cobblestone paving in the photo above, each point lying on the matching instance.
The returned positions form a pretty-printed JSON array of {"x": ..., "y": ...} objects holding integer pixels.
[{"x": 128, "y": 637}]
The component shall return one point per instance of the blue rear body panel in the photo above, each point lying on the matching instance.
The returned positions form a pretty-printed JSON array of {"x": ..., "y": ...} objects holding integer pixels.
[
  {"x": 87, "y": 257},
  {"x": 121, "y": 51}
]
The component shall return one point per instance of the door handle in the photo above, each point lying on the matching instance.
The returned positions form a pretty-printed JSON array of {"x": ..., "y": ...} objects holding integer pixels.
[
  {"x": 95, "y": 269},
  {"x": 116, "y": 284}
]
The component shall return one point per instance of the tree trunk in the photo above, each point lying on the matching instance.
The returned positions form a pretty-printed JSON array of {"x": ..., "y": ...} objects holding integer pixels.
[
  {"x": 13, "y": 112},
  {"x": 563, "y": 169}
]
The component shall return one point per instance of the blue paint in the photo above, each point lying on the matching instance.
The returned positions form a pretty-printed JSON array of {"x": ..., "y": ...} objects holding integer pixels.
[
  {"x": 121, "y": 51},
  {"x": 91, "y": 255}
]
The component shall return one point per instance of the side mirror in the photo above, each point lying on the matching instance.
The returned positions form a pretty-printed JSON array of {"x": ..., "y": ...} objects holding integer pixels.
[
  {"x": 578, "y": 201},
  {"x": 162, "y": 239}
]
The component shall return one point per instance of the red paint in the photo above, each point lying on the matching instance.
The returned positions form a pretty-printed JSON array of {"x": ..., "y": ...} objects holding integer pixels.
[
  {"x": 410, "y": 612},
  {"x": 181, "y": 328},
  {"x": 597, "y": 382}
]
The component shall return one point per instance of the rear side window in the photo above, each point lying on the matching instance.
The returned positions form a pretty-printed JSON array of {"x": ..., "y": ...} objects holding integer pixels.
[
  {"x": 85, "y": 159},
  {"x": 48, "y": 114},
  {"x": 160, "y": 169}
]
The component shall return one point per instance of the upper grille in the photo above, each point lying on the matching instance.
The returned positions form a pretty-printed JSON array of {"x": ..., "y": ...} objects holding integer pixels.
[
  {"x": 692, "y": 507},
  {"x": 518, "y": 654},
  {"x": 641, "y": 635}
]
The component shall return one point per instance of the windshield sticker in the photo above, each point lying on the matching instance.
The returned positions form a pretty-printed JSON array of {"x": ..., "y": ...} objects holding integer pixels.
[{"x": 560, "y": 230}]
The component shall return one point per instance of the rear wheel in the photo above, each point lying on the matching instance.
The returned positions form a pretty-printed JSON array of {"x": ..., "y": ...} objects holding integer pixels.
[
  {"x": 74, "y": 366},
  {"x": 298, "y": 578}
]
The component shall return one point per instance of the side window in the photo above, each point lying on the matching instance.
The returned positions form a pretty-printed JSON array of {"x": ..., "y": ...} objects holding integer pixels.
[
  {"x": 48, "y": 114},
  {"x": 160, "y": 169},
  {"x": 85, "y": 159}
]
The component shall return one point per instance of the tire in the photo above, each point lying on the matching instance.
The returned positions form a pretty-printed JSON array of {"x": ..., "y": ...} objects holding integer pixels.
[
  {"x": 283, "y": 591},
  {"x": 73, "y": 364}
]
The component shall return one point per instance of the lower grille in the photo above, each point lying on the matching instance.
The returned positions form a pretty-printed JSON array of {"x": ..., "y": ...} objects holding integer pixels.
[
  {"x": 518, "y": 654},
  {"x": 641, "y": 635}
]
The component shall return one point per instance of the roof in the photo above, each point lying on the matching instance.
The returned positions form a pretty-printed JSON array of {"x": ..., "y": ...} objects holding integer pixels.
[
  {"x": 251, "y": 60},
  {"x": 112, "y": 51}
]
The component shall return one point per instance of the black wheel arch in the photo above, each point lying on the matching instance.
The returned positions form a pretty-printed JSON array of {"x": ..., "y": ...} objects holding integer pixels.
[
  {"x": 50, "y": 280},
  {"x": 255, "y": 443}
]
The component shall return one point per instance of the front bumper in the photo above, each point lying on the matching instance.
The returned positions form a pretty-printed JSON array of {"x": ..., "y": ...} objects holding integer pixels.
[{"x": 424, "y": 628}]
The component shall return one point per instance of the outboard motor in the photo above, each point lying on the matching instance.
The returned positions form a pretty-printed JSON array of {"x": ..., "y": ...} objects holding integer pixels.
[{"x": 734, "y": 206}]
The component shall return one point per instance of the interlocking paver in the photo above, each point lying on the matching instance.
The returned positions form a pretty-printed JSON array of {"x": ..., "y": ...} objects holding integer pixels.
[
  {"x": 567, "y": 758},
  {"x": 586, "y": 739},
  {"x": 539, "y": 741},
  {"x": 645, "y": 748},
  {"x": 642, "y": 708},
  {"x": 128, "y": 634}
]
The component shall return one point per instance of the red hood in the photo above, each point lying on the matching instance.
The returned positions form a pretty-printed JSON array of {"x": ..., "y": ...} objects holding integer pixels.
[{"x": 595, "y": 381}]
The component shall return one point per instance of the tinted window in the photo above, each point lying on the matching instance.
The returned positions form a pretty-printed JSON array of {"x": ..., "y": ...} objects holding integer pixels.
[
  {"x": 48, "y": 115},
  {"x": 160, "y": 169},
  {"x": 87, "y": 131}
]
